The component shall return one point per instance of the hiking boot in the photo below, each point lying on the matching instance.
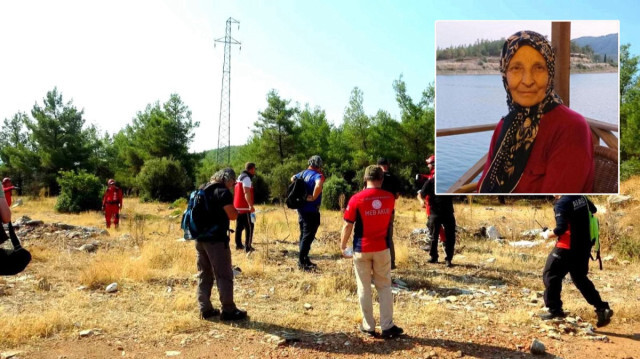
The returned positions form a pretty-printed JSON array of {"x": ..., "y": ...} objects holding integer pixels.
[
  {"x": 392, "y": 332},
  {"x": 604, "y": 316},
  {"x": 239, "y": 247},
  {"x": 305, "y": 267},
  {"x": 369, "y": 333},
  {"x": 433, "y": 260},
  {"x": 552, "y": 315},
  {"x": 207, "y": 314},
  {"x": 249, "y": 249},
  {"x": 310, "y": 263},
  {"x": 236, "y": 314},
  {"x": 448, "y": 264}
]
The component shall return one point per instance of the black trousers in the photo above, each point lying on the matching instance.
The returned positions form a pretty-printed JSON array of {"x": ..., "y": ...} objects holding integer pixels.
[
  {"x": 243, "y": 223},
  {"x": 309, "y": 223},
  {"x": 559, "y": 263},
  {"x": 435, "y": 224},
  {"x": 392, "y": 249}
]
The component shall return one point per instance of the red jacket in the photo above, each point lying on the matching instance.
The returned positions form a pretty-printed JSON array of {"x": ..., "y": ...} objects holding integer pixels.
[
  {"x": 113, "y": 195},
  {"x": 561, "y": 160},
  {"x": 7, "y": 193}
]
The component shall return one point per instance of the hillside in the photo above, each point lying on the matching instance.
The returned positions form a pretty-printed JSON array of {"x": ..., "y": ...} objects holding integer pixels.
[{"x": 602, "y": 45}]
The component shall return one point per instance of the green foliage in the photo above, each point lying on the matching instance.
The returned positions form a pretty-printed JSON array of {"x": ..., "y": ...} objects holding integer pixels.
[
  {"x": 276, "y": 129},
  {"x": 628, "y": 69},
  {"x": 481, "y": 48},
  {"x": 164, "y": 180},
  {"x": 79, "y": 191},
  {"x": 331, "y": 191},
  {"x": 159, "y": 131},
  {"x": 261, "y": 193},
  {"x": 629, "y": 105},
  {"x": 629, "y": 168},
  {"x": 279, "y": 177}
]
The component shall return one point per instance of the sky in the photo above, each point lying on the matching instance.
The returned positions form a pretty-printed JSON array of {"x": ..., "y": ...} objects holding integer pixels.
[{"x": 113, "y": 58}]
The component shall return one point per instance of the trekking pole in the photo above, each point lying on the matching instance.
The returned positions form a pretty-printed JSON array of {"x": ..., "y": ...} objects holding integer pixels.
[{"x": 544, "y": 228}]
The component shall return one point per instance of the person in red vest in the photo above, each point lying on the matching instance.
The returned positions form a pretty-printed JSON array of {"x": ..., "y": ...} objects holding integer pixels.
[
  {"x": 112, "y": 203},
  {"x": 243, "y": 202},
  {"x": 7, "y": 186}
]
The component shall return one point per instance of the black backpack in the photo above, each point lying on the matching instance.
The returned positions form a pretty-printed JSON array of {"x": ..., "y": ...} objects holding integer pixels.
[
  {"x": 197, "y": 219},
  {"x": 296, "y": 193},
  {"x": 12, "y": 261}
]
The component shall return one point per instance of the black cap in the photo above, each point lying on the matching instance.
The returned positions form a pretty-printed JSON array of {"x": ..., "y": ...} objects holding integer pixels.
[{"x": 383, "y": 161}]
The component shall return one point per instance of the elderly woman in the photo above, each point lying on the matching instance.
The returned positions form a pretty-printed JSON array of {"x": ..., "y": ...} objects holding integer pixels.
[{"x": 540, "y": 146}]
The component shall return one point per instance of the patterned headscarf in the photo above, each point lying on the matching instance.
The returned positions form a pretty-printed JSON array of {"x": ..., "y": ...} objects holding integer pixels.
[{"x": 520, "y": 126}]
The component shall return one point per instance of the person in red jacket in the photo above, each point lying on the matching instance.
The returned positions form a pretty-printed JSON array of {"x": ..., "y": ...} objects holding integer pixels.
[
  {"x": 541, "y": 145},
  {"x": 112, "y": 203},
  {"x": 7, "y": 186}
]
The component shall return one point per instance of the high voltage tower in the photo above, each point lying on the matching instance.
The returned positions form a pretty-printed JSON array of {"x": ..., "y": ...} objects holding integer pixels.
[{"x": 224, "y": 121}]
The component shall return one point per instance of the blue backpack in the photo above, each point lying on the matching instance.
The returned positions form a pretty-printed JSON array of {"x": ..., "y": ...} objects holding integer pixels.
[{"x": 197, "y": 220}]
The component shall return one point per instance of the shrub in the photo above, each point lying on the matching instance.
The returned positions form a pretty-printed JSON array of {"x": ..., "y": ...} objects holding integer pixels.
[
  {"x": 261, "y": 190},
  {"x": 280, "y": 177},
  {"x": 164, "y": 180},
  {"x": 628, "y": 168},
  {"x": 627, "y": 247},
  {"x": 79, "y": 191},
  {"x": 331, "y": 191}
]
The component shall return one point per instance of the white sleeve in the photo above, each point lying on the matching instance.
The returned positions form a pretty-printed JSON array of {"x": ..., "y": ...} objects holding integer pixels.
[{"x": 246, "y": 182}]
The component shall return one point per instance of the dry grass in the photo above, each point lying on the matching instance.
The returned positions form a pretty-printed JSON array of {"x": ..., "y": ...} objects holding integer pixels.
[{"x": 156, "y": 274}]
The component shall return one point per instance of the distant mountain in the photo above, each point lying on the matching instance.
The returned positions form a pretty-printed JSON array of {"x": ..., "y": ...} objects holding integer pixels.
[{"x": 607, "y": 44}]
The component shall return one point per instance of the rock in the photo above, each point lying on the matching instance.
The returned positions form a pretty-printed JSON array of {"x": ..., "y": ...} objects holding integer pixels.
[
  {"x": 86, "y": 332},
  {"x": 17, "y": 203},
  {"x": 531, "y": 232},
  {"x": 419, "y": 231},
  {"x": 236, "y": 271},
  {"x": 112, "y": 288},
  {"x": 172, "y": 353},
  {"x": 492, "y": 233},
  {"x": 602, "y": 338},
  {"x": 275, "y": 339},
  {"x": 459, "y": 354},
  {"x": 537, "y": 347},
  {"x": 451, "y": 298},
  {"x": 43, "y": 284},
  {"x": 491, "y": 260},
  {"x": 554, "y": 335},
  {"x": 308, "y": 306},
  {"x": 88, "y": 247},
  {"x": 525, "y": 244},
  {"x": 618, "y": 200},
  {"x": 608, "y": 258},
  {"x": 10, "y": 354}
]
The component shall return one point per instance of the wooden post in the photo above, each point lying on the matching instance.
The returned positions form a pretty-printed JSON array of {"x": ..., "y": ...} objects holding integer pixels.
[{"x": 561, "y": 43}]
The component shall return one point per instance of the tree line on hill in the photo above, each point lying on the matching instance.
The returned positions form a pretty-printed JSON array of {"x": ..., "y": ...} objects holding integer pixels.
[
  {"x": 487, "y": 48},
  {"x": 53, "y": 147}
]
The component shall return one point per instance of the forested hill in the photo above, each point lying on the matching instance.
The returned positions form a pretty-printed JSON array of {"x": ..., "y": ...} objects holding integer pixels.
[{"x": 601, "y": 45}]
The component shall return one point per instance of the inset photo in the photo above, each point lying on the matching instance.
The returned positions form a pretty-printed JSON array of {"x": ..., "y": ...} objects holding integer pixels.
[{"x": 527, "y": 107}]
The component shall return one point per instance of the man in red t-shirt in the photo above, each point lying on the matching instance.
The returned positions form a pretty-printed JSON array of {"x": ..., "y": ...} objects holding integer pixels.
[
  {"x": 112, "y": 203},
  {"x": 369, "y": 211},
  {"x": 243, "y": 202}
]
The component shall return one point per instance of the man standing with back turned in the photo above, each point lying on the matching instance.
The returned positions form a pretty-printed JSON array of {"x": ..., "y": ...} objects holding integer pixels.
[
  {"x": 213, "y": 252},
  {"x": 309, "y": 214},
  {"x": 369, "y": 211},
  {"x": 571, "y": 255}
]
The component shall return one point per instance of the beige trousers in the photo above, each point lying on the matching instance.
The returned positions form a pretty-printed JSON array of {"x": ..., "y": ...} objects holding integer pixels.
[{"x": 378, "y": 266}]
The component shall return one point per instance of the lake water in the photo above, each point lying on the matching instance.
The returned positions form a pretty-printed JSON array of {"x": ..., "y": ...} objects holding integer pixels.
[{"x": 466, "y": 100}]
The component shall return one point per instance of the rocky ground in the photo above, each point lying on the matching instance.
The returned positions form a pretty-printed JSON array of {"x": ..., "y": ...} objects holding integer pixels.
[{"x": 486, "y": 306}]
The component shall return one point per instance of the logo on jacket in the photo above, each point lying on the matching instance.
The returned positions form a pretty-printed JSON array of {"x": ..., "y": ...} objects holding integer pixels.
[{"x": 376, "y": 204}]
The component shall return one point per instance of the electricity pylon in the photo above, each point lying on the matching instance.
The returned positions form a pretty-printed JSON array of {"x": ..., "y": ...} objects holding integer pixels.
[{"x": 224, "y": 121}]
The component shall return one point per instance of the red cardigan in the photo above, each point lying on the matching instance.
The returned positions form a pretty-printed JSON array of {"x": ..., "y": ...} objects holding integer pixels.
[{"x": 561, "y": 160}]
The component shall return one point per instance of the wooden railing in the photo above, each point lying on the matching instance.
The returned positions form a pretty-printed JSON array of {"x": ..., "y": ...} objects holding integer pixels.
[{"x": 599, "y": 131}]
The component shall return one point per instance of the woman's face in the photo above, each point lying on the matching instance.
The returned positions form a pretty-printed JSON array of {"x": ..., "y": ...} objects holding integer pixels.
[{"x": 527, "y": 77}]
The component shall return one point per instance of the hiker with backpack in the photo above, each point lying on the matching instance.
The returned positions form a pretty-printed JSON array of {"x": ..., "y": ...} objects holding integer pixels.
[
  {"x": 571, "y": 255},
  {"x": 210, "y": 209},
  {"x": 370, "y": 212},
  {"x": 243, "y": 199},
  {"x": 309, "y": 211}
]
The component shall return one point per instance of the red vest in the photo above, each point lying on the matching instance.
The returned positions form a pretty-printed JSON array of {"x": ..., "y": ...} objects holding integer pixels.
[
  {"x": 113, "y": 195},
  {"x": 239, "y": 200}
]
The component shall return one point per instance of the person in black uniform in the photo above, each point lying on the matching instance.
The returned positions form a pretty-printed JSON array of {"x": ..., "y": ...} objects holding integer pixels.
[
  {"x": 390, "y": 184},
  {"x": 440, "y": 215},
  {"x": 571, "y": 255}
]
